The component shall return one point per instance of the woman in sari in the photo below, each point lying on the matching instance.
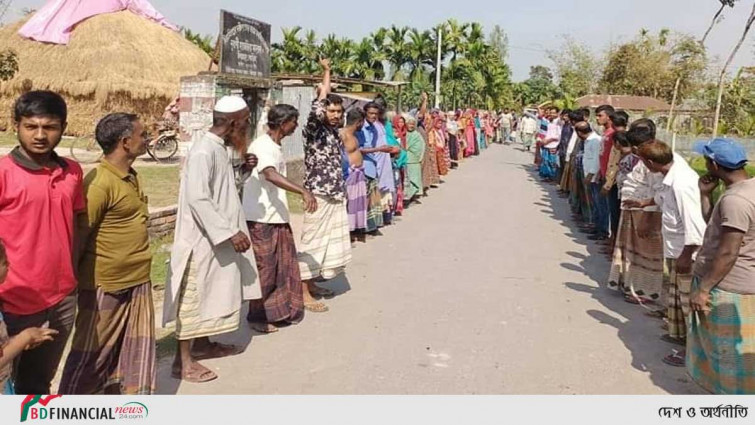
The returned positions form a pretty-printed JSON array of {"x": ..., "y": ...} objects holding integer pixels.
[
  {"x": 429, "y": 161},
  {"x": 480, "y": 133},
  {"x": 452, "y": 129},
  {"x": 396, "y": 129},
  {"x": 415, "y": 149},
  {"x": 437, "y": 136},
  {"x": 489, "y": 128},
  {"x": 469, "y": 134}
]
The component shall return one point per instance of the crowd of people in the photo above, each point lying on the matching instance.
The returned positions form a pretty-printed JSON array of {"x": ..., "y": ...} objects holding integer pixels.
[
  {"x": 233, "y": 243},
  {"x": 674, "y": 250}
]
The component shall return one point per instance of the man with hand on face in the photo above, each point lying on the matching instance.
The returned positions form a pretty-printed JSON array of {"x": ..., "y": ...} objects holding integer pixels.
[
  {"x": 41, "y": 198},
  {"x": 113, "y": 347},
  {"x": 325, "y": 248},
  {"x": 719, "y": 354},
  {"x": 211, "y": 267}
]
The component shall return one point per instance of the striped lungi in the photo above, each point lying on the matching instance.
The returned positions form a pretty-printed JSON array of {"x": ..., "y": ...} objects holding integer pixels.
[
  {"x": 189, "y": 324},
  {"x": 113, "y": 344},
  {"x": 356, "y": 204},
  {"x": 374, "y": 206},
  {"x": 721, "y": 343},
  {"x": 275, "y": 254},
  {"x": 325, "y": 242},
  {"x": 637, "y": 267},
  {"x": 677, "y": 289}
]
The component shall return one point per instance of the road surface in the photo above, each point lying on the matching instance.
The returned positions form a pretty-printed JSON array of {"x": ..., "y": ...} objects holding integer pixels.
[{"x": 485, "y": 288}]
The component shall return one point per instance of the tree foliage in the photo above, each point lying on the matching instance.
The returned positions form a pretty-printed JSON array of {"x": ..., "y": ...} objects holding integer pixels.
[
  {"x": 8, "y": 65},
  {"x": 650, "y": 64},
  {"x": 576, "y": 67},
  {"x": 474, "y": 71},
  {"x": 204, "y": 42}
]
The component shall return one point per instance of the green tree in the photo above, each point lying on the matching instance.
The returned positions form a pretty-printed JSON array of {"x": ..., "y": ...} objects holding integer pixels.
[
  {"x": 576, "y": 67},
  {"x": 204, "y": 42}
]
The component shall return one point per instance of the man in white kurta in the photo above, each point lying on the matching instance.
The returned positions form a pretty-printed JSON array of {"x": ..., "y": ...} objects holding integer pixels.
[{"x": 212, "y": 268}]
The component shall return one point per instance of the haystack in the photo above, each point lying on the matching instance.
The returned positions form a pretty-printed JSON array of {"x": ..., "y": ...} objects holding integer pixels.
[{"x": 114, "y": 62}]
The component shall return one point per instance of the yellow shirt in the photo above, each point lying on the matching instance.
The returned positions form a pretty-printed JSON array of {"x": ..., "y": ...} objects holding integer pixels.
[
  {"x": 117, "y": 254},
  {"x": 613, "y": 168}
]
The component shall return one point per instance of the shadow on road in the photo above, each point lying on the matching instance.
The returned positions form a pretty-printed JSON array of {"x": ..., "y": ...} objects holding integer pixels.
[{"x": 639, "y": 333}]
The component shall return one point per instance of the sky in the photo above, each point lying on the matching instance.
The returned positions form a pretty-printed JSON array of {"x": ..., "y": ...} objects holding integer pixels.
[{"x": 532, "y": 27}]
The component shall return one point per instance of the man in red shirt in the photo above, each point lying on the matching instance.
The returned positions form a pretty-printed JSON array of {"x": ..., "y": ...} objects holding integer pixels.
[
  {"x": 604, "y": 119},
  {"x": 41, "y": 197}
]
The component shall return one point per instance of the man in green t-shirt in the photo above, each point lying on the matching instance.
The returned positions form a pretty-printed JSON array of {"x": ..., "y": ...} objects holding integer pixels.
[{"x": 114, "y": 341}]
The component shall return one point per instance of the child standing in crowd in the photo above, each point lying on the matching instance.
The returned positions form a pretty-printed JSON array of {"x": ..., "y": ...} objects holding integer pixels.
[{"x": 10, "y": 348}]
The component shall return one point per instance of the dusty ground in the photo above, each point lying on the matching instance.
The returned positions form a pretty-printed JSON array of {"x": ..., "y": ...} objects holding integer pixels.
[{"x": 483, "y": 289}]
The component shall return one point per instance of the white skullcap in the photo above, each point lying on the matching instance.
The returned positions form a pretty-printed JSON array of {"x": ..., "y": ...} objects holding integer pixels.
[{"x": 230, "y": 104}]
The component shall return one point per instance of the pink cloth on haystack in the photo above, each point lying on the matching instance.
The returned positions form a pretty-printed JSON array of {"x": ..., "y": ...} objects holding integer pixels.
[{"x": 54, "y": 22}]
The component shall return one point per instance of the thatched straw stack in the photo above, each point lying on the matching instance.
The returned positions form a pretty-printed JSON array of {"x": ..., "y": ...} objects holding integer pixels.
[{"x": 114, "y": 62}]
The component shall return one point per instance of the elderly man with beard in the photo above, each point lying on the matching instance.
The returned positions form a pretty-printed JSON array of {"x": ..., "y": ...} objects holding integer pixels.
[{"x": 211, "y": 267}]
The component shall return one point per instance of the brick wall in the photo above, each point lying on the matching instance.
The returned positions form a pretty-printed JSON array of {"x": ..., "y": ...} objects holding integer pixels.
[{"x": 162, "y": 221}]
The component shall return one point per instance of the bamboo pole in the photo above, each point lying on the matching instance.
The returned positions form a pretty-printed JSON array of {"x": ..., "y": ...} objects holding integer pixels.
[
  {"x": 673, "y": 104},
  {"x": 722, "y": 77}
]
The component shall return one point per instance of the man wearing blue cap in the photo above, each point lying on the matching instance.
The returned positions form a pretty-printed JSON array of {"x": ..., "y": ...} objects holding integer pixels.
[{"x": 721, "y": 339}]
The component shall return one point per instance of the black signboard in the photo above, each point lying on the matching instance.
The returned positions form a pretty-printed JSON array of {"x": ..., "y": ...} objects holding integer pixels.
[{"x": 244, "y": 46}]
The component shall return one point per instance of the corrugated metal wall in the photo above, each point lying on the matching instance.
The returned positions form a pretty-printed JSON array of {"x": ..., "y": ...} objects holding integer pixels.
[{"x": 301, "y": 98}]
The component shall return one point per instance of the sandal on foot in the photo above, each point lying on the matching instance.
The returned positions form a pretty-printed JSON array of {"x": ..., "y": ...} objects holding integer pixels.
[
  {"x": 674, "y": 359},
  {"x": 196, "y": 376},
  {"x": 316, "y": 307}
]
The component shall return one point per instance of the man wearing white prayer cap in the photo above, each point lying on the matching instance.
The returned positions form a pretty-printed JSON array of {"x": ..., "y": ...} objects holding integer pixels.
[{"x": 212, "y": 268}]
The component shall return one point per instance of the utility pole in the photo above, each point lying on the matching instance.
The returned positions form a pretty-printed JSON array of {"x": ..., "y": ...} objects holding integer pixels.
[
  {"x": 4, "y": 5},
  {"x": 438, "y": 69}
]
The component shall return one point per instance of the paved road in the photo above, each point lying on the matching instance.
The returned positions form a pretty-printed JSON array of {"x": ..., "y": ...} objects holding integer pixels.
[{"x": 483, "y": 289}]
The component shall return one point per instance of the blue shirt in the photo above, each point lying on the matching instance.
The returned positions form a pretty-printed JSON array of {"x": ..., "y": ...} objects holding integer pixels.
[{"x": 367, "y": 138}]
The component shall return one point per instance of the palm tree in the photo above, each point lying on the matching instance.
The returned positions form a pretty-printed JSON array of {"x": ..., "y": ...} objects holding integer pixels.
[
  {"x": 369, "y": 60},
  {"x": 420, "y": 50},
  {"x": 455, "y": 35},
  {"x": 397, "y": 49}
]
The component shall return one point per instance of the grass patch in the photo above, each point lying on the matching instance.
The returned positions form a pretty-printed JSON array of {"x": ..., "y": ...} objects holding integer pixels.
[
  {"x": 160, "y": 249},
  {"x": 295, "y": 203},
  {"x": 160, "y": 184}
]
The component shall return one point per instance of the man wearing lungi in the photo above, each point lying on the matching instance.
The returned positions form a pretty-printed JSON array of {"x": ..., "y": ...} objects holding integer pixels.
[
  {"x": 267, "y": 214},
  {"x": 683, "y": 227},
  {"x": 212, "y": 268},
  {"x": 720, "y": 347},
  {"x": 113, "y": 347},
  {"x": 356, "y": 181},
  {"x": 325, "y": 248}
]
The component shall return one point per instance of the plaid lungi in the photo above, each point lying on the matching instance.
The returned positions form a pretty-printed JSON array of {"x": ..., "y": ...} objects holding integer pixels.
[
  {"x": 374, "y": 206},
  {"x": 356, "y": 193},
  {"x": 325, "y": 241},
  {"x": 677, "y": 288},
  {"x": 721, "y": 344},
  {"x": 637, "y": 267},
  {"x": 113, "y": 343},
  {"x": 275, "y": 252},
  {"x": 189, "y": 324}
]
